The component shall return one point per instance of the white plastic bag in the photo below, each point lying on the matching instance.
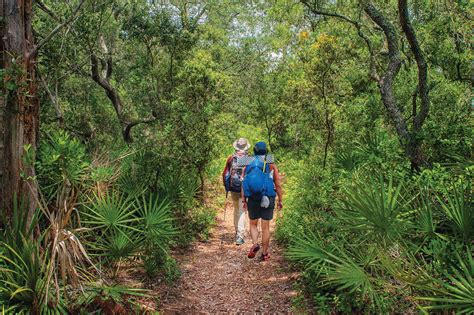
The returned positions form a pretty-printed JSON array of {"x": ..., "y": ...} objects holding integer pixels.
[{"x": 265, "y": 202}]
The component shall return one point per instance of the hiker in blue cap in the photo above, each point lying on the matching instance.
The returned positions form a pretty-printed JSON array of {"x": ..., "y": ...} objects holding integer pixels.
[{"x": 260, "y": 186}]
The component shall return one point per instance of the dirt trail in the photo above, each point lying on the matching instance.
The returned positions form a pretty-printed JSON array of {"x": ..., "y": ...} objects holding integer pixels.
[{"x": 221, "y": 279}]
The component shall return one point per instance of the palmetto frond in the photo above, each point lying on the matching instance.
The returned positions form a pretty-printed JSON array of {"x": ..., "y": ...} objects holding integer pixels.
[
  {"x": 334, "y": 265},
  {"x": 374, "y": 207},
  {"x": 115, "y": 246},
  {"x": 347, "y": 160},
  {"x": 456, "y": 290},
  {"x": 155, "y": 218},
  {"x": 111, "y": 211},
  {"x": 457, "y": 206}
]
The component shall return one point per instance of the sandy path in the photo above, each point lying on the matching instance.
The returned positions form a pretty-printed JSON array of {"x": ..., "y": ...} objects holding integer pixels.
[{"x": 219, "y": 278}]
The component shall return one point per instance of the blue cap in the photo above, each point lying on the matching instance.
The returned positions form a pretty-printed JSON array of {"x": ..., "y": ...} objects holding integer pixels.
[{"x": 260, "y": 148}]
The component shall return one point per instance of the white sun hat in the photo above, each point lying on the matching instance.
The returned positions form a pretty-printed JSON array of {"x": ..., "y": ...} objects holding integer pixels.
[{"x": 241, "y": 144}]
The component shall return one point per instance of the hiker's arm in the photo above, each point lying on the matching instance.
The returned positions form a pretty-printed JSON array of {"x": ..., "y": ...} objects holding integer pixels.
[
  {"x": 277, "y": 182},
  {"x": 225, "y": 169}
]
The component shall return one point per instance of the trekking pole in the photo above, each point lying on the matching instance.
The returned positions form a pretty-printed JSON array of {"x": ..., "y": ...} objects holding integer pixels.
[{"x": 225, "y": 211}]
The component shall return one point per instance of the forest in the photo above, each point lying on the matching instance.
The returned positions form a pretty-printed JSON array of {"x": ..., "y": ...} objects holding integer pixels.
[{"x": 117, "y": 116}]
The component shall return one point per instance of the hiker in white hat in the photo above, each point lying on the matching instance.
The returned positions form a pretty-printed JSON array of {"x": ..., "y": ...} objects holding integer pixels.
[{"x": 232, "y": 178}]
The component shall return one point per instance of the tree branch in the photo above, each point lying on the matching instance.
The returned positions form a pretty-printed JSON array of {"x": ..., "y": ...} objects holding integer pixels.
[
  {"x": 315, "y": 11},
  {"x": 54, "y": 100},
  {"x": 386, "y": 81},
  {"x": 373, "y": 69},
  {"x": 108, "y": 67},
  {"x": 114, "y": 97},
  {"x": 128, "y": 127},
  {"x": 56, "y": 29},
  {"x": 48, "y": 11},
  {"x": 423, "y": 90},
  {"x": 109, "y": 90},
  {"x": 198, "y": 17}
]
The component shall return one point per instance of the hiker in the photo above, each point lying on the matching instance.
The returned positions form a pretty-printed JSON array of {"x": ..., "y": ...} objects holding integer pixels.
[
  {"x": 232, "y": 177},
  {"x": 261, "y": 184}
]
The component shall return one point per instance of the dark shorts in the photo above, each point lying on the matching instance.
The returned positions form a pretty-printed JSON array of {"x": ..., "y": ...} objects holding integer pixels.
[{"x": 257, "y": 212}]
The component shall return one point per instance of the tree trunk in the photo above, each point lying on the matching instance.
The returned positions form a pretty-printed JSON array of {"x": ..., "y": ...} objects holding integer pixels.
[
  {"x": 414, "y": 147},
  {"x": 19, "y": 106},
  {"x": 408, "y": 139}
]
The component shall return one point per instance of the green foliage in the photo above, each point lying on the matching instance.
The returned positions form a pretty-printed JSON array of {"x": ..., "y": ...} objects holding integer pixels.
[
  {"x": 192, "y": 218},
  {"x": 376, "y": 236},
  {"x": 62, "y": 163},
  {"x": 374, "y": 207},
  {"x": 112, "y": 212},
  {"x": 23, "y": 267},
  {"x": 156, "y": 221},
  {"x": 347, "y": 160},
  {"x": 312, "y": 192},
  {"x": 455, "y": 291},
  {"x": 22, "y": 282},
  {"x": 111, "y": 217},
  {"x": 158, "y": 228},
  {"x": 202, "y": 220},
  {"x": 100, "y": 298},
  {"x": 193, "y": 77},
  {"x": 126, "y": 227},
  {"x": 425, "y": 221},
  {"x": 160, "y": 262},
  {"x": 334, "y": 266},
  {"x": 457, "y": 206}
]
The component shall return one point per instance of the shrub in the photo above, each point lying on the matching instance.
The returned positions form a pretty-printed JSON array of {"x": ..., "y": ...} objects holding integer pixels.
[
  {"x": 126, "y": 227},
  {"x": 381, "y": 236},
  {"x": 62, "y": 165},
  {"x": 375, "y": 208},
  {"x": 108, "y": 299},
  {"x": 457, "y": 206},
  {"x": 24, "y": 282},
  {"x": 455, "y": 290}
]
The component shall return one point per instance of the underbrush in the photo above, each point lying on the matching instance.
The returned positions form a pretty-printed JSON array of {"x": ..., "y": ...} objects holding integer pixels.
[
  {"x": 97, "y": 214},
  {"x": 370, "y": 238}
]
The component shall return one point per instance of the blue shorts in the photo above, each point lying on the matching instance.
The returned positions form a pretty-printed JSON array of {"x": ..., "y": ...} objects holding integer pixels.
[{"x": 257, "y": 212}]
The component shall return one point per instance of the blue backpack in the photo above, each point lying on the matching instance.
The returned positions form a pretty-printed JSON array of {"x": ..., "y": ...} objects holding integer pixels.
[{"x": 257, "y": 181}]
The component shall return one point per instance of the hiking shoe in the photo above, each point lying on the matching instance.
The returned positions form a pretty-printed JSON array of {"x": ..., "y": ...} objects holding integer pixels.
[
  {"x": 265, "y": 257},
  {"x": 239, "y": 241},
  {"x": 253, "y": 250}
]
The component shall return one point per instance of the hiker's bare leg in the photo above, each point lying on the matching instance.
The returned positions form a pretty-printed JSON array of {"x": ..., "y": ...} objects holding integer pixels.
[
  {"x": 265, "y": 235},
  {"x": 254, "y": 230}
]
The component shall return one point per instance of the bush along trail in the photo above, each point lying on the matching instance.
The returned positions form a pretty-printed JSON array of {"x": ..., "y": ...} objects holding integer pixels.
[{"x": 217, "y": 277}]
